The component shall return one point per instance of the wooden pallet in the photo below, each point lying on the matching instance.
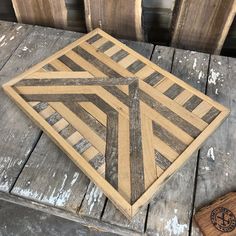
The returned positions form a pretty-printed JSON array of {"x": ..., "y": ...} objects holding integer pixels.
[{"x": 127, "y": 123}]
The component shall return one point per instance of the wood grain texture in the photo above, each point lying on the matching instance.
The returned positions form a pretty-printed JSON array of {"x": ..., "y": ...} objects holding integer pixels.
[
  {"x": 120, "y": 18},
  {"x": 18, "y": 139},
  {"x": 47, "y": 13},
  {"x": 166, "y": 206},
  {"x": 217, "y": 157},
  {"x": 203, "y": 25},
  {"x": 84, "y": 55}
]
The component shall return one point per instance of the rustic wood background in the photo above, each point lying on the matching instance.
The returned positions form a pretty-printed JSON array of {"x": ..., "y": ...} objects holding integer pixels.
[{"x": 204, "y": 25}]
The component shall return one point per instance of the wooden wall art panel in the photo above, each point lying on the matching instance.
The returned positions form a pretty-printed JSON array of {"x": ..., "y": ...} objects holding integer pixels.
[{"x": 127, "y": 123}]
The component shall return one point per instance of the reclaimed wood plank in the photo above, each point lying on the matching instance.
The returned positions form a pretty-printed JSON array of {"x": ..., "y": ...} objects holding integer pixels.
[
  {"x": 11, "y": 35},
  {"x": 216, "y": 170},
  {"x": 97, "y": 225},
  {"x": 119, "y": 18},
  {"x": 46, "y": 13},
  {"x": 171, "y": 206},
  {"x": 18, "y": 138},
  {"x": 203, "y": 25}
]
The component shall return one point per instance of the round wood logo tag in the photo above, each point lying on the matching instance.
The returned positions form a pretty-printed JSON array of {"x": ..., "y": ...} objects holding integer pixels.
[{"x": 223, "y": 219}]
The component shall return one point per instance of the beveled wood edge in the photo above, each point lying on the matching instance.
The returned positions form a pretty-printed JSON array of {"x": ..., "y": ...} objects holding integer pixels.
[
  {"x": 194, "y": 146},
  {"x": 118, "y": 200},
  {"x": 56, "y": 211}
]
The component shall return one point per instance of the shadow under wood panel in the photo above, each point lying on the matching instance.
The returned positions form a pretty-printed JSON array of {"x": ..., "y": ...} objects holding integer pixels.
[
  {"x": 217, "y": 163},
  {"x": 120, "y": 18},
  {"x": 203, "y": 25},
  {"x": 170, "y": 211},
  {"x": 6, "y": 11},
  {"x": 18, "y": 134}
]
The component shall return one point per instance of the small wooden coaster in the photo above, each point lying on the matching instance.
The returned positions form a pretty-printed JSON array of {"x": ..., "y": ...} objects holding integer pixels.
[{"x": 218, "y": 218}]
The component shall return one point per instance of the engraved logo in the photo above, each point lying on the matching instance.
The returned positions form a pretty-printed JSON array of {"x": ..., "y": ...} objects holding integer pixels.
[{"x": 223, "y": 219}]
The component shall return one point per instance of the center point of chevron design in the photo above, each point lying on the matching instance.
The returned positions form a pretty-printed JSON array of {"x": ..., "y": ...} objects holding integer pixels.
[{"x": 124, "y": 121}]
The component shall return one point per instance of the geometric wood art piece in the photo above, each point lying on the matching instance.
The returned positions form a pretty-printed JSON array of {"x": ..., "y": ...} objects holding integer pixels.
[
  {"x": 219, "y": 218},
  {"x": 124, "y": 121}
]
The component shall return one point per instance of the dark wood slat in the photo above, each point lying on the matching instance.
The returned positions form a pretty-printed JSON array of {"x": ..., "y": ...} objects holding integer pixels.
[
  {"x": 211, "y": 115},
  {"x": 161, "y": 161},
  {"x": 71, "y": 64},
  {"x": 94, "y": 124},
  {"x": 119, "y": 55},
  {"x": 105, "y": 46},
  {"x": 192, "y": 103},
  {"x": 94, "y": 38},
  {"x": 77, "y": 81},
  {"x": 154, "y": 78},
  {"x": 136, "y": 152},
  {"x": 173, "y": 91},
  {"x": 168, "y": 138},
  {"x": 94, "y": 61},
  {"x": 111, "y": 156}
]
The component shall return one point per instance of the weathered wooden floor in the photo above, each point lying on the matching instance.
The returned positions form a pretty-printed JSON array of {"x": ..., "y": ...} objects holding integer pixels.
[{"x": 35, "y": 173}]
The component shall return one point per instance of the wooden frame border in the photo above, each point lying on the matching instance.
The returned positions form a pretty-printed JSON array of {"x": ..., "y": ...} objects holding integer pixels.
[{"x": 126, "y": 208}]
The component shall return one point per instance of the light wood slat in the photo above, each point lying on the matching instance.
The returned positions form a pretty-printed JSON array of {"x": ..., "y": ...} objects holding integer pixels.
[
  {"x": 74, "y": 138},
  {"x": 40, "y": 70},
  {"x": 99, "y": 42},
  {"x": 164, "y": 149},
  {"x": 32, "y": 104},
  {"x": 127, "y": 61},
  {"x": 159, "y": 171},
  {"x": 144, "y": 72},
  {"x": 106, "y": 60},
  {"x": 183, "y": 97},
  {"x": 60, "y": 125},
  {"x": 164, "y": 85},
  {"x": 95, "y": 112},
  {"x": 47, "y": 112},
  {"x": 202, "y": 109},
  {"x": 60, "y": 74},
  {"x": 179, "y": 110},
  {"x": 165, "y": 123},
  {"x": 124, "y": 186},
  {"x": 60, "y": 66},
  {"x": 90, "y": 153},
  {"x": 150, "y": 169},
  {"x": 86, "y": 132},
  {"x": 111, "y": 51}
]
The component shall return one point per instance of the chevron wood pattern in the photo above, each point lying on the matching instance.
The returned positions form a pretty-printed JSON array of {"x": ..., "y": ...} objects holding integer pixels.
[{"x": 127, "y": 123}]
